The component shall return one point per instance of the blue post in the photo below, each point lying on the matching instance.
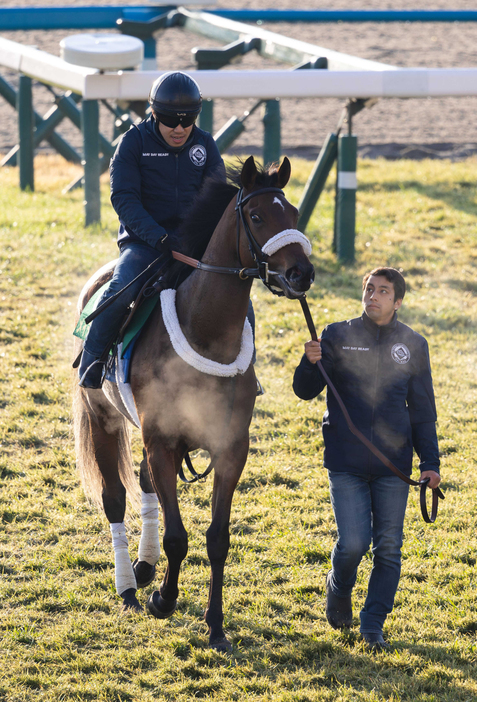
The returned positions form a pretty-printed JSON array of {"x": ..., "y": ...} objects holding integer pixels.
[
  {"x": 25, "y": 132},
  {"x": 250, "y": 15},
  {"x": 90, "y": 127},
  {"x": 150, "y": 61}
]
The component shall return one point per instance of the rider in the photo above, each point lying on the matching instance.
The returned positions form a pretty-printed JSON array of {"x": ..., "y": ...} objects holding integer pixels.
[{"x": 157, "y": 168}]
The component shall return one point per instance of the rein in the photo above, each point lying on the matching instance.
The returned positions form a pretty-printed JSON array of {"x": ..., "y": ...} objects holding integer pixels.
[
  {"x": 436, "y": 492},
  {"x": 209, "y": 268}
]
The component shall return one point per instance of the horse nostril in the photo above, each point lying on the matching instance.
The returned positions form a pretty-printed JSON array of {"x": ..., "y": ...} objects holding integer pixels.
[{"x": 294, "y": 274}]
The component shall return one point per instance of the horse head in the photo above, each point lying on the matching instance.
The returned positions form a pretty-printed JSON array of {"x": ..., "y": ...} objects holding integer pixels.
[{"x": 269, "y": 222}]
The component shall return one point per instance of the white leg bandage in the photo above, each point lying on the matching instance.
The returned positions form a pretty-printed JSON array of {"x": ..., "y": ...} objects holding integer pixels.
[
  {"x": 124, "y": 574},
  {"x": 149, "y": 547}
]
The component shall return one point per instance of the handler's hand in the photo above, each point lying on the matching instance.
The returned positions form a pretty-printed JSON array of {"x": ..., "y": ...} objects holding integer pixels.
[
  {"x": 434, "y": 478},
  {"x": 313, "y": 351}
]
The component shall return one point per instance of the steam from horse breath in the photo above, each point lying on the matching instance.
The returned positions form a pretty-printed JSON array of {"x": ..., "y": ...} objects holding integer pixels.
[{"x": 184, "y": 408}]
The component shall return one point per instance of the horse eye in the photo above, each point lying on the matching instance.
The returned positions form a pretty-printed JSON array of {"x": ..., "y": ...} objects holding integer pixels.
[{"x": 255, "y": 218}]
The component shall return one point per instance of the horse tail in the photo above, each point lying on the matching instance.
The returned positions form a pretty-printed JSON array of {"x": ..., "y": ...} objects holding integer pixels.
[{"x": 119, "y": 432}]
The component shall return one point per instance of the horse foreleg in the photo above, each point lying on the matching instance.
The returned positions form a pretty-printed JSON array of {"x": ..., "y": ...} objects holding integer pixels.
[
  {"x": 227, "y": 475},
  {"x": 163, "y": 466},
  {"x": 149, "y": 547}
]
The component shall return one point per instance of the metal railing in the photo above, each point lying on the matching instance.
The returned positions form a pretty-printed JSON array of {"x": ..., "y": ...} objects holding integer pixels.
[{"x": 329, "y": 74}]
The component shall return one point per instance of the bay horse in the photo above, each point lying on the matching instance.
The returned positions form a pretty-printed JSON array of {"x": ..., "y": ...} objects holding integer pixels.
[{"x": 193, "y": 384}]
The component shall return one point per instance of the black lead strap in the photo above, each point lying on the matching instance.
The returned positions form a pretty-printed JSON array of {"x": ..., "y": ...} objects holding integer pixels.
[{"x": 436, "y": 492}]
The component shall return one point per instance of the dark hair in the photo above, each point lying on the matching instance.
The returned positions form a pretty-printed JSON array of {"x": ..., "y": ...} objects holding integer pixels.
[{"x": 393, "y": 276}]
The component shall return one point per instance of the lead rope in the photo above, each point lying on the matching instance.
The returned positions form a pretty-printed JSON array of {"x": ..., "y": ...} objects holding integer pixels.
[{"x": 436, "y": 492}]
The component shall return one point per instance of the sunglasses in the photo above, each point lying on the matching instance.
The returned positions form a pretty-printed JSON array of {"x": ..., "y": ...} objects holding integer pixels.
[{"x": 173, "y": 121}]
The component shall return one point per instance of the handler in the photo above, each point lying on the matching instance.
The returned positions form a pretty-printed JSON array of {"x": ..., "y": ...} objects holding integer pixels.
[
  {"x": 381, "y": 369},
  {"x": 157, "y": 169}
]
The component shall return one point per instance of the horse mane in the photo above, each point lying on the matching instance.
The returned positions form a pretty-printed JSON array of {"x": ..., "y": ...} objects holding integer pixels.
[{"x": 210, "y": 203}]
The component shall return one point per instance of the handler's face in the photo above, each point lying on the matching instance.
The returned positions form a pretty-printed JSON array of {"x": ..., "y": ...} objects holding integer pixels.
[
  {"x": 378, "y": 300},
  {"x": 177, "y": 136}
]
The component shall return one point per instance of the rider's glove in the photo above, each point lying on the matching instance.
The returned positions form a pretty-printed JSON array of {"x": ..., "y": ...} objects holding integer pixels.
[{"x": 162, "y": 244}]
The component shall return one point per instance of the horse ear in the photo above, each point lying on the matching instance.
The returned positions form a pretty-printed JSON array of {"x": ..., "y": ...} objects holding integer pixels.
[
  {"x": 284, "y": 173},
  {"x": 249, "y": 173}
]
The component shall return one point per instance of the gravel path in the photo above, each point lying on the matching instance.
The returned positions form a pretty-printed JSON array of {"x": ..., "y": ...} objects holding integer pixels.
[{"x": 434, "y": 127}]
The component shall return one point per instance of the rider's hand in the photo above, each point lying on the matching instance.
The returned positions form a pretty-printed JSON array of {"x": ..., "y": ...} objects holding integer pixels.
[
  {"x": 313, "y": 351},
  {"x": 434, "y": 478},
  {"x": 163, "y": 245}
]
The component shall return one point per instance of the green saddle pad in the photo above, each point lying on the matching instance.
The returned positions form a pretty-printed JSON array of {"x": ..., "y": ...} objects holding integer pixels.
[{"x": 138, "y": 321}]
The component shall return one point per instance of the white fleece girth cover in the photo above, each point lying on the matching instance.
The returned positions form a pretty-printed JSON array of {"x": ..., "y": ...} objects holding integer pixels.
[
  {"x": 183, "y": 349},
  {"x": 287, "y": 236}
]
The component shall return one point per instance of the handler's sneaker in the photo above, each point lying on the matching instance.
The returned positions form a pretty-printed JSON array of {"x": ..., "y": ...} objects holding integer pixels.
[
  {"x": 339, "y": 612},
  {"x": 375, "y": 642}
]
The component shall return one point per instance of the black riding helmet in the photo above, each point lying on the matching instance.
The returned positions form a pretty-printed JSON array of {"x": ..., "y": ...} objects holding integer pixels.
[{"x": 175, "y": 98}]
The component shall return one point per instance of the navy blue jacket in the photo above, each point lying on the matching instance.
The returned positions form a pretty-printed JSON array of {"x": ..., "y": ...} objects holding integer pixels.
[
  {"x": 153, "y": 184},
  {"x": 383, "y": 376}
]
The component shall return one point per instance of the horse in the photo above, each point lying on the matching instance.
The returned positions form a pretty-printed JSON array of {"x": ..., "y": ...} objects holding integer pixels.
[{"x": 193, "y": 384}]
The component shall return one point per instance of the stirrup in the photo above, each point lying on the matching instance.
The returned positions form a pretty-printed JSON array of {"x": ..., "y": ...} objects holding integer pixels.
[
  {"x": 260, "y": 390},
  {"x": 93, "y": 383}
]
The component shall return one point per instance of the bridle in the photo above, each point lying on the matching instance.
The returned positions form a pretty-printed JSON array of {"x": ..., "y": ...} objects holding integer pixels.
[
  {"x": 436, "y": 492},
  {"x": 259, "y": 257}
]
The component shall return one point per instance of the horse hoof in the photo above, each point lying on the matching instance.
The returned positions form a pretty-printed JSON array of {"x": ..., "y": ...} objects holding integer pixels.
[
  {"x": 221, "y": 645},
  {"x": 130, "y": 603},
  {"x": 144, "y": 572},
  {"x": 159, "y": 607}
]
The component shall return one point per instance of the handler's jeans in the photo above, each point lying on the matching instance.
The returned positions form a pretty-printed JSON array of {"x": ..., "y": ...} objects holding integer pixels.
[
  {"x": 368, "y": 508},
  {"x": 133, "y": 259}
]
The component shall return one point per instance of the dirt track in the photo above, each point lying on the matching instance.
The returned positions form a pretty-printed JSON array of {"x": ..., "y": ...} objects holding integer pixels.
[{"x": 409, "y": 127}]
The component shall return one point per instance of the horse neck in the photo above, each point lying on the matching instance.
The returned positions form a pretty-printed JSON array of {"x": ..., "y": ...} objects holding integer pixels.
[{"x": 212, "y": 306}]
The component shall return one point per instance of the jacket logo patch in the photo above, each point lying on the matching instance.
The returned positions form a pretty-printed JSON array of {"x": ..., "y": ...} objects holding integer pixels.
[
  {"x": 198, "y": 155},
  {"x": 400, "y": 353}
]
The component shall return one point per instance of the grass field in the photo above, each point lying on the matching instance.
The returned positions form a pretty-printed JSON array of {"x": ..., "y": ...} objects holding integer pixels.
[{"x": 62, "y": 637}]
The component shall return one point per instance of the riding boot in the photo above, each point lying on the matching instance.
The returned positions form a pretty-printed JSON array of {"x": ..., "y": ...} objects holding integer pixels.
[{"x": 91, "y": 371}]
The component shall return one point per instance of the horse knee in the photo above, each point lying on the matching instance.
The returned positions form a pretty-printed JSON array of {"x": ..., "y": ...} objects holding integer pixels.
[
  {"x": 144, "y": 477},
  {"x": 114, "y": 503},
  {"x": 176, "y": 547}
]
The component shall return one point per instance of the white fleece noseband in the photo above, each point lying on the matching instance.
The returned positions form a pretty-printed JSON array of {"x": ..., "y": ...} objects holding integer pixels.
[
  {"x": 287, "y": 236},
  {"x": 183, "y": 349}
]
